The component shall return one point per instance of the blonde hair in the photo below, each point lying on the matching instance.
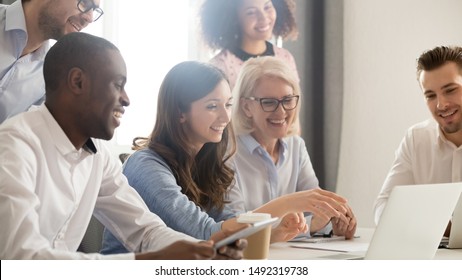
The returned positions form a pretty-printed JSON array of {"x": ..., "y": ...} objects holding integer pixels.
[{"x": 249, "y": 77}]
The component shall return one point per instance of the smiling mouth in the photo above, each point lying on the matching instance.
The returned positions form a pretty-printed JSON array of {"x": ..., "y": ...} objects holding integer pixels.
[
  {"x": 218, "y": 128},
  {"x": 282, "y": 121},
  {"x": 263, "y": 28},
  {"x": 76, "y": 26},
  {"x": 447, "y": 114},
  {"x": 118, "y": 114}
]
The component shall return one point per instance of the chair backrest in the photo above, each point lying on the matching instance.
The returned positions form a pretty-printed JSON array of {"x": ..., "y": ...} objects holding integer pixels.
[
  {"x": 91, "y": 242},
  {"x": 123, "y": 157}
]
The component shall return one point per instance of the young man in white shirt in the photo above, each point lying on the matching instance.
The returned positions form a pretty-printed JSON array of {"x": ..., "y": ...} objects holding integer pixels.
[
  {"x": 431, "y": 151},
  {"x": 55, "y": 172}
]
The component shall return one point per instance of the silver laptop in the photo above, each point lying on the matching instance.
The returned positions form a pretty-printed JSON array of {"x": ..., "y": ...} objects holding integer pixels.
[
  {"x": 455, "y": 236},
  {"x": 412, "y": 223}
]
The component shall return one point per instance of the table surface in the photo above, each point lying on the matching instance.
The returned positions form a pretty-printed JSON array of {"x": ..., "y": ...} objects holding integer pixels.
[{"x": 286, "y": 251}]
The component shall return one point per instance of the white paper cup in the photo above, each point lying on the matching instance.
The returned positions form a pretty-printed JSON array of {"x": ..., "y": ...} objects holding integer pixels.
[{"x": 259, "y": 242}]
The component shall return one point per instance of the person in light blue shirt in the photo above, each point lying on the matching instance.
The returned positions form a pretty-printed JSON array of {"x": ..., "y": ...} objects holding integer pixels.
[
  {"x": 271, "y": 159},
  {"x": 25, "y": 29},
  {"x": 181, "y": 171}
]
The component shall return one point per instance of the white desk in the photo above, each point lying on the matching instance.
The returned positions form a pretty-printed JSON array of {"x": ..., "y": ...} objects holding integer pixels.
[{"x": 284, "y": 251}]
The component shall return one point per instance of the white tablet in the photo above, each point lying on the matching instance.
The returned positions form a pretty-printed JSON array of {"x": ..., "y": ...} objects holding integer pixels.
[{"x": 253, "y": 228}]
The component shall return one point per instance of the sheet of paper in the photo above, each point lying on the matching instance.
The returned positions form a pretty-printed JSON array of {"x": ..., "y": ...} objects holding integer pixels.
[
  {"x": 345, "y": 246},
  {"x": 317, "y": 239}
]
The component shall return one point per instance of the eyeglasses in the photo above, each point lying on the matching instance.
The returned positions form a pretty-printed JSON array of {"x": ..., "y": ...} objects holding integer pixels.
[
  {"x": 272, "y": 104},
  {"x": 85, "y": 6}
]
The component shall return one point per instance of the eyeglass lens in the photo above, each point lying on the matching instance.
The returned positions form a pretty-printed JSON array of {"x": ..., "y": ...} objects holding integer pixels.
[
  {"x": 87, "y": 5},
  {"x": 271, "y": 104}
]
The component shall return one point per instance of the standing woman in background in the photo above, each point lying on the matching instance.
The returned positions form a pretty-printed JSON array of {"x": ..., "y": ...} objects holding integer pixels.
[{"x": 241, "y": 29}]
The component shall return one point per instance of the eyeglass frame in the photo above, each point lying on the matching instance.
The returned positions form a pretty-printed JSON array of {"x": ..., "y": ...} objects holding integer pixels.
[
  {"x": 92, "y": 7},
  {"x": 280, "y": 102}
]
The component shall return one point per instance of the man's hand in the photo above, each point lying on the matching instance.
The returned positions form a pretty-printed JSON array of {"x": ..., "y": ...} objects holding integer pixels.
[
  {"x": 181, "y": 250},
  {"x": 232, "y": 251}
]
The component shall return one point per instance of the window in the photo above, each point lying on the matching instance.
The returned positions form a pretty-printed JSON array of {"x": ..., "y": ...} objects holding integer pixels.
[{"x": 152, "y": 36}]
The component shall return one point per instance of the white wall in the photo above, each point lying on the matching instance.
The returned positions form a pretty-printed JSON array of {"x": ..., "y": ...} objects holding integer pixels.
[{"x": 382, "y": 40}]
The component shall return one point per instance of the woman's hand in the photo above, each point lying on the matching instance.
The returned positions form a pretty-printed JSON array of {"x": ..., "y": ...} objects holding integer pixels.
[
  {"x": 318, "y": 223},
  {"x": 324, "y": 205},
  {"x": 321, "y": 203},
  {"x": 290, "y": 226},
  {"x": 342, "y": 228}
]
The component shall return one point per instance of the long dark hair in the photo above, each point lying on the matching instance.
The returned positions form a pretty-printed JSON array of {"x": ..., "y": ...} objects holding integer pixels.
[{"x": 204, "y": 177}]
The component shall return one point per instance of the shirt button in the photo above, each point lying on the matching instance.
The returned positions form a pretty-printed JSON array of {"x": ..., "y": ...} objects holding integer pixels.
[{"x": 60, "y": 236}]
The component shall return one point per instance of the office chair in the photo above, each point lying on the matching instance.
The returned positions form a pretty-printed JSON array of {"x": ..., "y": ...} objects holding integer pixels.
[{"x": 91, "y": 242}]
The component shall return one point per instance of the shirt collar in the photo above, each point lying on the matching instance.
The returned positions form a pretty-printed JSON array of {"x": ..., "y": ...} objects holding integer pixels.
[
  {"x": 244, "y": 56},
  {"x": 15, "y": 19},
  {"x": 251, "y": 144},
  {"x": 440, "y": 135},
  {"x": 441, "y": 139},
  {"x": 62, "y": 142}
]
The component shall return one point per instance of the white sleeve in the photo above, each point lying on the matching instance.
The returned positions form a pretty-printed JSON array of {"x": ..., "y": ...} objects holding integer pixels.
[
  {"x": 399, "y": 174},
  {"x": 20, "y": 234}
]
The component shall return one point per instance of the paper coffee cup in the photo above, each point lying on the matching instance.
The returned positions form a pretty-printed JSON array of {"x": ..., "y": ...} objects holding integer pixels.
[{"x": 259, "y": 242}]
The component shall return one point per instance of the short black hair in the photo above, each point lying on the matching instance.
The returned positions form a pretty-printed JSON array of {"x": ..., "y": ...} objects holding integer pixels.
[{"x": 75, "y": 49}]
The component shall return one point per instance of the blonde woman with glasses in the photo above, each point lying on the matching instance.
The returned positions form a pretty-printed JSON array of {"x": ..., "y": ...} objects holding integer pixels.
[{"x": 271, "y": 159}]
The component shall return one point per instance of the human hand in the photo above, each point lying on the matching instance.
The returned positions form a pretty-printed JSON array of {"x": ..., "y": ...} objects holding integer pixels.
[
  {"x": 181, "y": 250},
  {"x": 318, "y": 223},
  {"x": 232, "y": 251},
  {"x": 291, "y": 225},
  {"x": 342, "y": 228},
  {"x": 321, "y": 203}
]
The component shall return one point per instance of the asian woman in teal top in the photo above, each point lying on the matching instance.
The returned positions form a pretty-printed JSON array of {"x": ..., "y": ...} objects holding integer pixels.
[{"x": 181, "y": 171}]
